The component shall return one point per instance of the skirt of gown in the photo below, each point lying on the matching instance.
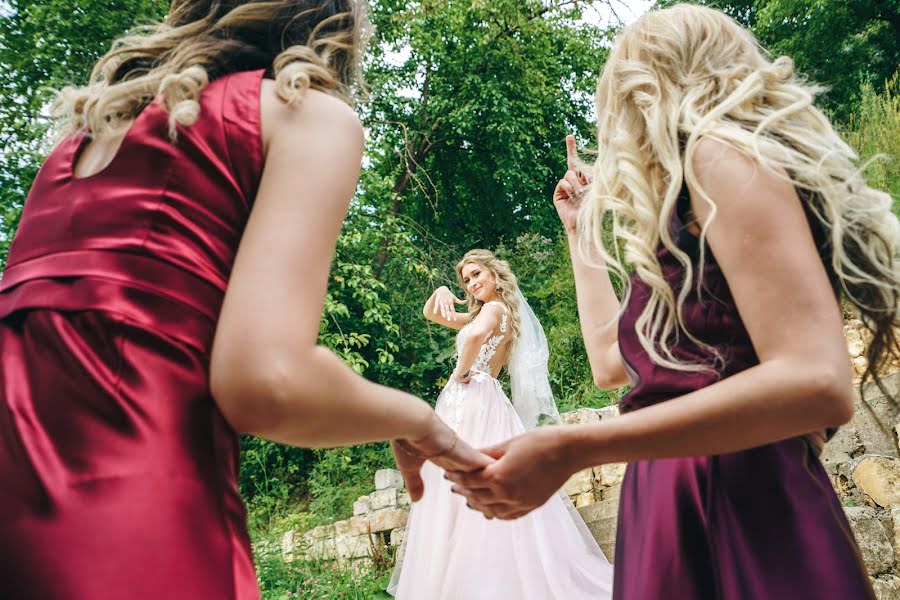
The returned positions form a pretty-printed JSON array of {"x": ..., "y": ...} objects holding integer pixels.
[{"x": 451, "y": 552}]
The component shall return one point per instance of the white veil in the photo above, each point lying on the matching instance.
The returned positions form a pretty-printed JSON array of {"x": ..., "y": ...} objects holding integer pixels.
[{"x": 529, "y": 376}]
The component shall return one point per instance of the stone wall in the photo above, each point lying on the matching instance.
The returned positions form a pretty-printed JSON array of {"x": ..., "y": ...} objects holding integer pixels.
[{"x": 863, "y": 461}]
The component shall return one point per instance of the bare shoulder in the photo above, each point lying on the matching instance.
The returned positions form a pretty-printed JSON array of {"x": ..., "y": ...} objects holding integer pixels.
[
  {"x": 734, "y": 180},
  {"x": 317, "y": 112}
]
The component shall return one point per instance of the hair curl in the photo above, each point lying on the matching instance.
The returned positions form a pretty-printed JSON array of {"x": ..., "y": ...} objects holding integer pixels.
[
  {"x": 686, "y": 72},
  {"x": 507, "y": 285},
  {"x": 304, "y": 44}
]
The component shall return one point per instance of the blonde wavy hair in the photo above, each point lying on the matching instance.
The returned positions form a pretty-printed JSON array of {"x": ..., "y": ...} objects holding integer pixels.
[
  {"x": 687, "y": 72},
  {"x": 304, "y": 44},
  {"x": 506, "y": 281}
]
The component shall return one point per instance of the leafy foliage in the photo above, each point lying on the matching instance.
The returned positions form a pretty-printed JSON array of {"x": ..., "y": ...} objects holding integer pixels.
[{"x": 840, "y": 44}]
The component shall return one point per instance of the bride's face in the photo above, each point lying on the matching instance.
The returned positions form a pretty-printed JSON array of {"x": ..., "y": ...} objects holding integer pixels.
[{"x": 479, "y": 282}]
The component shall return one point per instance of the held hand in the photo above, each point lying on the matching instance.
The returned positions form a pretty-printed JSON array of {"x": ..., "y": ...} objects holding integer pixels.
[
  {"x": 444, "y": 301},
  {"x": 570, "y": 190},
  {"x": 529, "y": 469},
  {"x": 443, "y": 448},
  {"x": 462, "y": 377}
]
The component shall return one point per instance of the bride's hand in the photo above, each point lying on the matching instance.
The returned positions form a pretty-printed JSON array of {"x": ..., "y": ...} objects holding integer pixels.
[
  {"x": 444, "y": 301},
  {"x": 529, "y": 469},
  {"x": 570, "y": 190},
  {"x": 444, "y": 449}
]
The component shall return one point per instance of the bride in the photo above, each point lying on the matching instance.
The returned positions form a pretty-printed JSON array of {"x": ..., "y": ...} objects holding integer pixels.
[{"x": 450, "y": 552}]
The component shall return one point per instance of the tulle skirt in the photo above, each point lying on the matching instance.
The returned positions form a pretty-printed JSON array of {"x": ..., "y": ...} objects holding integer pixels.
[{"x": 451, "y": 552}]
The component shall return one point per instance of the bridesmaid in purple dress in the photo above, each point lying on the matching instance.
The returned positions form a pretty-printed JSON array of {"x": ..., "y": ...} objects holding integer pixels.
[
  {"x": 197, "y": 196},
  {"x": 743, "y": 215}
]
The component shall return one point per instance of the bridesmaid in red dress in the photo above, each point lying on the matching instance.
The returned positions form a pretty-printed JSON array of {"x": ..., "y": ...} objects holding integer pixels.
[
  {"x": 163, "y": 293},
  {"x": 743, "y": 215}
]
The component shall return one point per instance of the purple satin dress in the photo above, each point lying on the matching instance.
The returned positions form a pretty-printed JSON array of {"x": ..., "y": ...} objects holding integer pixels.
[
  {"x": 764, "y": 523},
  {"x": 119, "y": 473}
]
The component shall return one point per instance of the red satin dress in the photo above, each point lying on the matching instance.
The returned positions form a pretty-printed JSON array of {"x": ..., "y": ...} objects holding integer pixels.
[{"x": 118, "y": 472}]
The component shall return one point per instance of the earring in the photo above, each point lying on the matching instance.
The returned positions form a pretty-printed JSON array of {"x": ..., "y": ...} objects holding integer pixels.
[{"x": 497, "y": 286}]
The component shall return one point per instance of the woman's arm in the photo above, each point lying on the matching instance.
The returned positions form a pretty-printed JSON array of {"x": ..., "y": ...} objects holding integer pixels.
[
  {"x": 440, "y": 308},
  {"x": 598, "y": 305},
  {"x": 482, "y": 327},
  {"x": 761, "y": 239},
  {"x": 268, "y": 375}
]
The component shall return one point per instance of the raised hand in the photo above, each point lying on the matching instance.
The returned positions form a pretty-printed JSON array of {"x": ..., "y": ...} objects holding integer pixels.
[
  {"x": 442, "y": 447},
  {"x": 570, "y": 190},
  {"x": 444, "y": 301},
  {"x": 528, "y": 470}
]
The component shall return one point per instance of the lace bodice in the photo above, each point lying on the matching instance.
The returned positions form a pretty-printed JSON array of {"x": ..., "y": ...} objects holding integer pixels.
[{"x": 489, "y": 348}]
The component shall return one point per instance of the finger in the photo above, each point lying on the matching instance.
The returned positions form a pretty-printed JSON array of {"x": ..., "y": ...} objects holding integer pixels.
[
  {"x": 566, "y": 190},
  {"x": 414, "y": 484},
  {"x": 472, "y": 481},
  {"x": 571, "y": 152},
  {"x": 482, "y": 497},
  {"x": 458, "y": 301},
  {"x": 496, "y": 451},
  {"x": 572, "y": 179}
]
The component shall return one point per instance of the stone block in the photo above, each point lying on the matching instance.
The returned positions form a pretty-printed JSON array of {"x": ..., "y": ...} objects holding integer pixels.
[
  {"x": 351, "y": 546},
  {"x": 581, "y": 416},
  {"x": 600, "y": 510},
  {"x": 613, "y": 492},
  {"x": 855, "y": 344},
  {"x": 388, "y": 478},
  {"x": 611, "y": 474},
  {"x": 386, "y": 520},
  {"x": 874, "y": 421},
  {"x": 878, "y": 477},
  {"x": 874, "y": 534},
  {"x": 403, "y": 499},
  {"x": 842, "y": 448},
  {"x": 287, "y": 545},
  {"x": 320, "y": 549},
  {"x": 386, "y": 498},
  {"x": 584, "y": 499},
  {"x": 361, "y": 506},
  {"x": 358, "y": 525},
  {"x": 397, "y": 536},
  {"x": 887, "y": 587},
  {"x": 580, "y": 482},
  {"x": 609, "y": 412}
]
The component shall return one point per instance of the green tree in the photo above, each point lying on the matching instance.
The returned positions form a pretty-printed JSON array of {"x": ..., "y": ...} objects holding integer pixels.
[
  {"x": 44, "y": 46},
  {"x": 840, "y": 44}
]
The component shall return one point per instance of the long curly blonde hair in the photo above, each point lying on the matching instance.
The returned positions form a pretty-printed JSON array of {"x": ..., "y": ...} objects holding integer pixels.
[
  {"x": 686, "y": 72},
  {"x": 506, "y": 281},
  {"x": 303, "y": 43}
]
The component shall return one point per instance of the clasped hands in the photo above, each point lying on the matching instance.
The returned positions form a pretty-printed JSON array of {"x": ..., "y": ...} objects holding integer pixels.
[{"x": 504, "y": 481}]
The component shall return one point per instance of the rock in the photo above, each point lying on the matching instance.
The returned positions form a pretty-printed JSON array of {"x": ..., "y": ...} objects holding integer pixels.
[
  {"x": 386, "y": 520},
  {"x": 859, "y": 364},
  {"x": 609, "y": 412},
  {"x": 351, "y": 546},
  {"x": 584, "y": 499},
  {"x": 611, "y": 474},
  {"x": 388, "y": 478},
  {"x": 361, "y": 506},
  {"x": 855, "y": 344},
  {"x": 397, "y": 536},
  {"x": 874, "y": 420},
  {"x": 580, "y": 417},
  {"x": 895, "y": 517},
  {"x": 580, "y": 482},
  {"x": 842, "y": 448},
  {"x": 287, "y": 545},
  {"x": 386, "y": 498},
  {"x": 403, "y": 499},
  {"x": 352, "y": 526},
  {"x": 600, "y": 510},
  {"x": 612, "y": 492},
  {"x": 878, "y": 477},
  {"x": 887, "y": 587},
  {"x": 874, "y": 534}
]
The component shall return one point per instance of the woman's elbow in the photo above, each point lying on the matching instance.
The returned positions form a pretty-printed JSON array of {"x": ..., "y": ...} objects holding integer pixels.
[
  {"x": 253, "y": 396},
  {"x": 829, "y": 393}
]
